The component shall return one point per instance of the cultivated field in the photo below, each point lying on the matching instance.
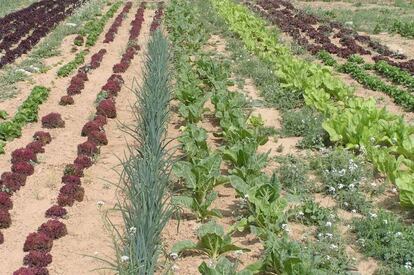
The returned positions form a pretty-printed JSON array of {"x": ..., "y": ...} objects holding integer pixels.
[{"x": 212, "y": 137}]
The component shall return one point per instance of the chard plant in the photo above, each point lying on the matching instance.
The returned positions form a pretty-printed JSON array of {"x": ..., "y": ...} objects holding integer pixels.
[
  {"x": 264, "y": 204},
  {"x": 225, "y": 267},
  {"x": 200, "y": 178},
  {"x": 212, "y": 241},
  {"x": 194, "y": 142}
]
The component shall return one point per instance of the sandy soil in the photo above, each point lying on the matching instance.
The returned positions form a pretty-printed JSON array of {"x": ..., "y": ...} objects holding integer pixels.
[{"x": 87, "y": 235}]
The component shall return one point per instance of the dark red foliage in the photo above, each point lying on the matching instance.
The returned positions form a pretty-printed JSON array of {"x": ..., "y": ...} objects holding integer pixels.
[
  {"x": 43, "y": 137},
  {"x": 5, "y": 201},
  {"x": 1, "y": 238},
  {"x": 106, "y": 108},
  {"x": 75, "y": 89},
  {"x": 96, "y": 59},
  {"x": 23, "y": 29},
  {"x": 54, "y": 229},
  {"x": 23, "y": 168},
  {"x": 56, "y": 211},
  {"x": 37, "y": 259},
  {"x": 82, "y": 75},
  {"x": 38, "y": 241},
  {"x": 5, "y": 219},
  {"x": 87, "y": 148},
  {"x": 110, "y": 35},
  {"x": 83, "y": 162},
  {"x": 120, "y": 67},
  {"x": 13, "y": 181},
  {"x": 36, "y": 146},
  {"x": 65, "y": 200},
  {"x": 137, "y": 23},
  {"x": 89, "y": 127},
  {"x": 73, "y": 170},
  {"x": 23, "y": 154},
  {"x": 53, "y": 120},
  {"x": 116, "y": 77},
  {"x": 69, "y": 193},
  {"x": 71, "y": 179},
  {"x": 31, "y": 271},
  {"x": 78, "y": 79},
  {"x": 112, "y": 87},
  {"x": 78, "y": 40},
  {"x": 100, "y": 120},
  {"x": 98, "y": 137},
  {"x": 66, "y": 100}
]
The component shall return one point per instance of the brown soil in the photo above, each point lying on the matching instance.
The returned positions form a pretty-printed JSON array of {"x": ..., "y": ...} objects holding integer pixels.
[{"x": 87, "y": 235}]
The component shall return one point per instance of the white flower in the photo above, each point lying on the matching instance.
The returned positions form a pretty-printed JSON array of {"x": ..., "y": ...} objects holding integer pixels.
[
  {"x": 328, "y": 257},
  {"x": 353, "y": 211},
  {"x": 394, "y": 190},
  {"x": 132, "y": 230},
  {"x": 328, "y": 224},
  {"x": 346, "y": 204},
  {"x": 385, "y": 221},
  {"x": 342, "y": 172},
  {"x": 352, "y": 186},
  {"x": 408, "y": 265},
  {"x": 301, "y": 213},
  {"x": 398, "y": 234},
  {"x": 333, "y": 246},
  {"x": 246, "y": 196},
  {"x": 372, "y": 139},
  {"x": 340, "y": 186},
  {"x": 332, "y": 189},
  {"x": 124, "y": 258},
  {"x": 174, "y": 256},
  {"x": 352, "y": 165},
  {"x": 329, "y": 235},
  {"x": 285, "y": 227},
  {"x": 71, "y": 24},
  {"x": 182, "y": 128},
  {"x": 100, "y": 203},
  {"x": 372, "y": 215}
]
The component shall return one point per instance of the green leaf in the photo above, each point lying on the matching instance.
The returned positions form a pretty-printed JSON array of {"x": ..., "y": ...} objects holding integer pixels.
[{"x": 181, "y": 246}]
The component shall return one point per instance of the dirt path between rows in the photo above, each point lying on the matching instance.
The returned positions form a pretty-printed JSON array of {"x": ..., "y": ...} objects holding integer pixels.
[{"x": 86, "y": 232}]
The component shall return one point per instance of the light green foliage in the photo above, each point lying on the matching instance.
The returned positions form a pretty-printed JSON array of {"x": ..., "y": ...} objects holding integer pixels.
[
  {"x": 69, "y": 68},
  {"x": 212, "y": 241},
  {"x": 26, "y": 113},
  {"x": 200, "y": 179},
  {"x": 334, "y": 100}
]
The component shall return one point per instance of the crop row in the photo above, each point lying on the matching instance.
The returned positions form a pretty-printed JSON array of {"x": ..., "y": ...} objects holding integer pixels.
[
  {"x": 113, "y": 30},
  {"x": 95, "y": 27},
  {"x": 22, "y": 30},
  {"x": 299, "y": 26},
  {"x": 39, "y": 244},
  {"x": 26, "y": 113},
  {"x": 383, "y": 138},
  {"x": 200, "y": 173}
]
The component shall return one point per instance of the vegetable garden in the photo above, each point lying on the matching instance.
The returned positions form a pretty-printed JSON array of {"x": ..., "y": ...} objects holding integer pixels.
[{"x": 202, "y": 137}]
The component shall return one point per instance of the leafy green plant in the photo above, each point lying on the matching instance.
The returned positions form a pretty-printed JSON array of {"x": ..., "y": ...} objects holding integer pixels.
[
  {"x": 212, "y": 241},
  {"x": 293, "y": 174},
  {"x": 385, "y": 237},
  {"x": 310, "y": 213},
  {"x": 200, "y": 178},
  {"x": 67, "y": 69},
  {"x": 225, "y": 267},
  {"x": 194, "y": 142},
  {"x": 3, "y": 114},
  {"x": 264, "y": 204}
]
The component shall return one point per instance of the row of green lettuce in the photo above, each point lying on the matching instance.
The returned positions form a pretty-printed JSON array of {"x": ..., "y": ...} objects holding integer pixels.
[
  {"x": 356, "y": 123},
  {"x": 27, "y": 112}
]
